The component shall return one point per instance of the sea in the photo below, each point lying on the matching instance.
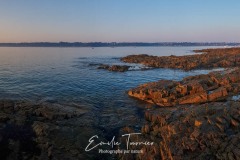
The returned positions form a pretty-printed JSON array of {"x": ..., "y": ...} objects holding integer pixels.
[{"x": 69, "y": 77}]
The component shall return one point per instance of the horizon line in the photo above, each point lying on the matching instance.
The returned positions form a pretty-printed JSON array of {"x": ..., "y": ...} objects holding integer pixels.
[
  {"x": 116, "y": 44},
  {"x": 120, "y": 42}
]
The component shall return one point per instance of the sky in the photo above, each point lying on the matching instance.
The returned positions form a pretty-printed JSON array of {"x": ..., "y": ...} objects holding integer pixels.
[{"x": 120, "y": 20}]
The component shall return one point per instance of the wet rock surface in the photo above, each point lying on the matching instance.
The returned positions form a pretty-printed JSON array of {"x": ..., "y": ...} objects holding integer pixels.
[
  {"x": 114, "y": 68},
  {"x": 215, "y": 86},
  {"x": 210, "y": 58},
  {"x": 206, "y": 131}
]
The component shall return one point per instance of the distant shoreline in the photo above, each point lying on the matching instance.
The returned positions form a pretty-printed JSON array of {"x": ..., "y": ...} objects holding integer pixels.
[{"x": 115, "y": 44}]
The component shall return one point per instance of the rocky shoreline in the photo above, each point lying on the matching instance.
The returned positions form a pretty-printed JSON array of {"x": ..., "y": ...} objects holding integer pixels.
[
  {"x": 44, "y": 131},
  {"x": 215, "y": 86},
  {"x": 196, "y": 118},
  {"x": 206, "y": 131},
  {"x": 210, "y": 58}
]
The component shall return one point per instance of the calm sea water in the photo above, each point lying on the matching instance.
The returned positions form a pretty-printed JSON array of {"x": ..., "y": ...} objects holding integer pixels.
[{"x": 69, "y": 77}]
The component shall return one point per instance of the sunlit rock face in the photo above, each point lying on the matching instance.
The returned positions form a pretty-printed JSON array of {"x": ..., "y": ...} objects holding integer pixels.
[{"x": 215, "y": 86}]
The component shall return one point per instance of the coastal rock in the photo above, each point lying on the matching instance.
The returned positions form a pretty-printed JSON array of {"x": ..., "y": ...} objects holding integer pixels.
[
  {"x": 4, "y": 117},
  {"x": 104, "y": 66},
  {"x": 215, "y": 86},
  {"x": 50, "y": 113},
  {"x": 210, "y": 58},
  {"x": 203, "y": 120},
  {"x": 42, "y": 131},
  {"x": 40, "y": 128},
  {"x": 114, "y": 68},
  {"x": 218, "y": 94},
  {"x": 206, "y": 131}
]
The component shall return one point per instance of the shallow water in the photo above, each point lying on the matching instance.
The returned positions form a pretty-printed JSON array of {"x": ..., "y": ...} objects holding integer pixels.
[{"x": 69, "y": 77}]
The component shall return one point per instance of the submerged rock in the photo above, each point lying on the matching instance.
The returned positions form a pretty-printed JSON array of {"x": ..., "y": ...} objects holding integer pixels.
[
  {"x": 215, "y": 86},
  {"x": 114, "y": 68},
  {"x": 210, "y": 58}
]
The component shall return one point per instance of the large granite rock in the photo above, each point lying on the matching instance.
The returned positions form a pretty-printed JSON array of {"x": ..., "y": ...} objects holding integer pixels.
[
  {"x": 210, "y": 58},
  {"x": 215, "y": 86}
]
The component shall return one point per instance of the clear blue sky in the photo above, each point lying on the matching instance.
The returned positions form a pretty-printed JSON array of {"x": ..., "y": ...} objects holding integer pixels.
[{"x": 120, "y": 20}]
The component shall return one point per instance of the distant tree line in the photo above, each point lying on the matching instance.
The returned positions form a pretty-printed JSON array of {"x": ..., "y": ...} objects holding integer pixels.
[{"x": 114, "y": 44}]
